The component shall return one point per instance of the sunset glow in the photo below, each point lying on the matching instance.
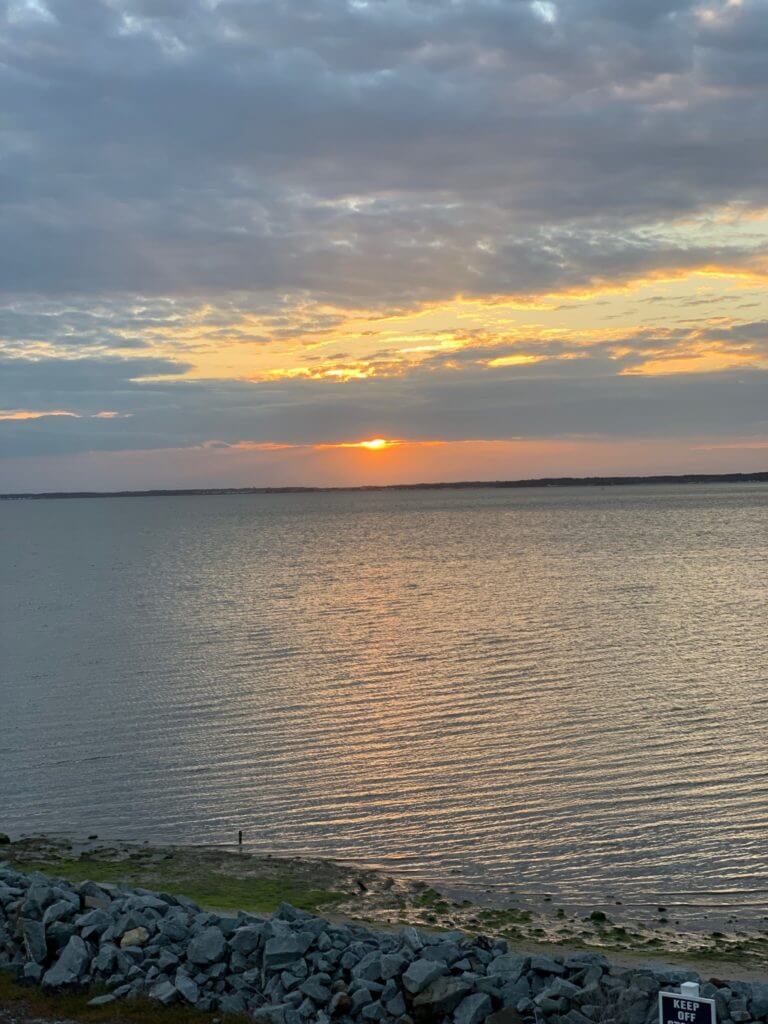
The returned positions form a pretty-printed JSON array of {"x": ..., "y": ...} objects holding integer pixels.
[
  {"x": 376, "y": 444},
  {"x": 377, "y": 259}
]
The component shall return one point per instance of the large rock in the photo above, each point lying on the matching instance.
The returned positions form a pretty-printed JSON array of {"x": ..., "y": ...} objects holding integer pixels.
[
  {"x": 282, "y": 951},
  {"x": 369, "y": 967},
  {"x": 420, "y": 973},
  {"x": 209, "y": 947},
  {"x": 440, "y": 998},
  {"x": 392, "y": 964},
  {"x": 315, "y": 990},
  {"x": 32, "y": 973},
  {"x": 104, "y": 961},
  {"x": 546, "y": 965},
  {"x": 98, "y": 920},
  {"x": 94, "y": 896},
  {"x": 411, "y": 938},
  {"x": 561, "y": 987},
  {"x": 35, "y": 944},
  {"x": 508, "y": 966},
  {"x": 58, "y": 911},
  {"x": 187, "y": 987},
  {"x": 473, "y": 1009},
  {"x": 59, "y": 934},
  {"x": 173, "y": 928},
  {"x": 135, "y": 937},
  {"x": 39, "y": 896},
  {"x": 69, "y": 969},
  {"x": 164, "y": 992},
  {"x": 759, "y": 1000},
  {"x": 246, "y": 940}
]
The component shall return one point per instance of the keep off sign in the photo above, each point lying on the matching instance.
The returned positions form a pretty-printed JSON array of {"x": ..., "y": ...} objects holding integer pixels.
[{"x": 675, "y": 1008}]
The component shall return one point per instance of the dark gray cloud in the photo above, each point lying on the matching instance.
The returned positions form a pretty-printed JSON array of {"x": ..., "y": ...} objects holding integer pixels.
[
  {"x": 201, "y": 148},
  {"x": 156, "y": 155},
  {"x": 577, "y": 398}
]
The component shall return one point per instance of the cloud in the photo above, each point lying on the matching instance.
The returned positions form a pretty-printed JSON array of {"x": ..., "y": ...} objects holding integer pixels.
[
  {"x": 556, "y": 398},
  {"x": 33, "y": 414},
  {"x": 258, "y": 195},
  {"x": 379, "y": 152}
]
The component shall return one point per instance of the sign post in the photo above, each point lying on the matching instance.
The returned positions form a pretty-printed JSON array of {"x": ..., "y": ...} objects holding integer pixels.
[{"x": 686, "y": 1006}]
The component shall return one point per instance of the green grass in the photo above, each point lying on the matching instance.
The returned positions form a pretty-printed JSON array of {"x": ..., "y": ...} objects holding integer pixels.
[
  {"x": 211, "y": 890},
  {"x": 431, "y": 898},
  {"x": 74, "y": 1006},
  {"x": 504, "y": 918}
]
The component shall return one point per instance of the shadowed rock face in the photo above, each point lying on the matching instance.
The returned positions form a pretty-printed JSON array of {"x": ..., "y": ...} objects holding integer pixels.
[{"x": 293, "y": 967}]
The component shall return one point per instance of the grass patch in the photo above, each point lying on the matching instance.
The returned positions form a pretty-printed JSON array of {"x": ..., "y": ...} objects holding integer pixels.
[
  {"x": 210, "y": 889},
  {"x": 432, "y": 899},
  {"x": 504, "y": 918},
  {"x": 28, "y": 1002}
]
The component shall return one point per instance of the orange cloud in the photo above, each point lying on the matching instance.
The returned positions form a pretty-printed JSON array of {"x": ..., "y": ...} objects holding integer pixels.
[
  {"x": 39, "y": 414},
  {"x": 34, "y": 414}
]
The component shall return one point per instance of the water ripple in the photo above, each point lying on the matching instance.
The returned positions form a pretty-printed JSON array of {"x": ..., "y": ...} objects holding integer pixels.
[{"x": 556, "y": 691}]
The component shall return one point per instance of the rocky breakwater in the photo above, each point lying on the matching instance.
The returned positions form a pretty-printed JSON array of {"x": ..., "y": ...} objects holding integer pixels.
[{"x": 293, "y": 967}]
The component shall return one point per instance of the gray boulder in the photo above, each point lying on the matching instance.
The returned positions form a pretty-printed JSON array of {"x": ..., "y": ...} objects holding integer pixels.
[
  {"x": 35, "y": 944},
  {"x": 396, "y": 1005},
  {"x": 209, "y": 947},
  {"x": 284, "y": 950},
  {"x": 58, "y": 911},
  {"x": 39, "y": 896},
  {"x": 104, "y": 961},
  {"x": 246, "y": 940},
  {"x": 420, "y": 973},
  {"x": 473, "y": 1009},
  {"x": 440, "y": 998},
  {"x": 392, "y": 964},
  {"x": 235, "y": 1003},
  {"x": 561, "y": 987},
  {"x": 508, "y": 966},
  {"x": 373, "y": 1011},
  {"x": 174, "y": 929},
  {"x": 69, "y": 969},
  {"x": 546, "y": 965},
  {"x": 369, "y": 967},
  {"x": 32, "y": 973},
  {"x": 94, "y": 896},
  {"x": 164, "y": 992},
  {"x": 411, "y": 938},
  {"x": 316, "y": 990},
  {"x": 759, "y": 999}
]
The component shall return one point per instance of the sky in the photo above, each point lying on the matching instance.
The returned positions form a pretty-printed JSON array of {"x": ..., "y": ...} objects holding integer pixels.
[{"x": 508, "y": 238}]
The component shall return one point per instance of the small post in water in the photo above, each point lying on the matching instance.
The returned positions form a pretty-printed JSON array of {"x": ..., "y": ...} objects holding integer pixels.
[{"x": 240, "y": 839}]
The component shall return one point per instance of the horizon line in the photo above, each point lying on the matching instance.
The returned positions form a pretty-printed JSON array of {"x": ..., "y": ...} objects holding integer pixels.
[{"x": 759, "y": 476}]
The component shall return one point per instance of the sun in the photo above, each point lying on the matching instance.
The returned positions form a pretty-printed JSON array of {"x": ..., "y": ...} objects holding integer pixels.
[{"x": 376, "y": 444}]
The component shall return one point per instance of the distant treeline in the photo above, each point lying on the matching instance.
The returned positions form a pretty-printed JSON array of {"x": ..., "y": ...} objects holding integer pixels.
[{"x": 559, "y": 481}]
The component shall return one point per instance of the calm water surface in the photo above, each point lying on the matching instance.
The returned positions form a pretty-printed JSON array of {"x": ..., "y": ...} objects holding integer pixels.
[{"x": 550, "y": 689}]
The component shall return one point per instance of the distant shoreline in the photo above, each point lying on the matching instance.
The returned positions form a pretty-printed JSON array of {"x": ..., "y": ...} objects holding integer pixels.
[{"x": 563, "y": 481}]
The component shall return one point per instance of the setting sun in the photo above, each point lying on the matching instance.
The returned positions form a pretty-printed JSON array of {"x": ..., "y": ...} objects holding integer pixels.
[{"x": 376, "y": 444}]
